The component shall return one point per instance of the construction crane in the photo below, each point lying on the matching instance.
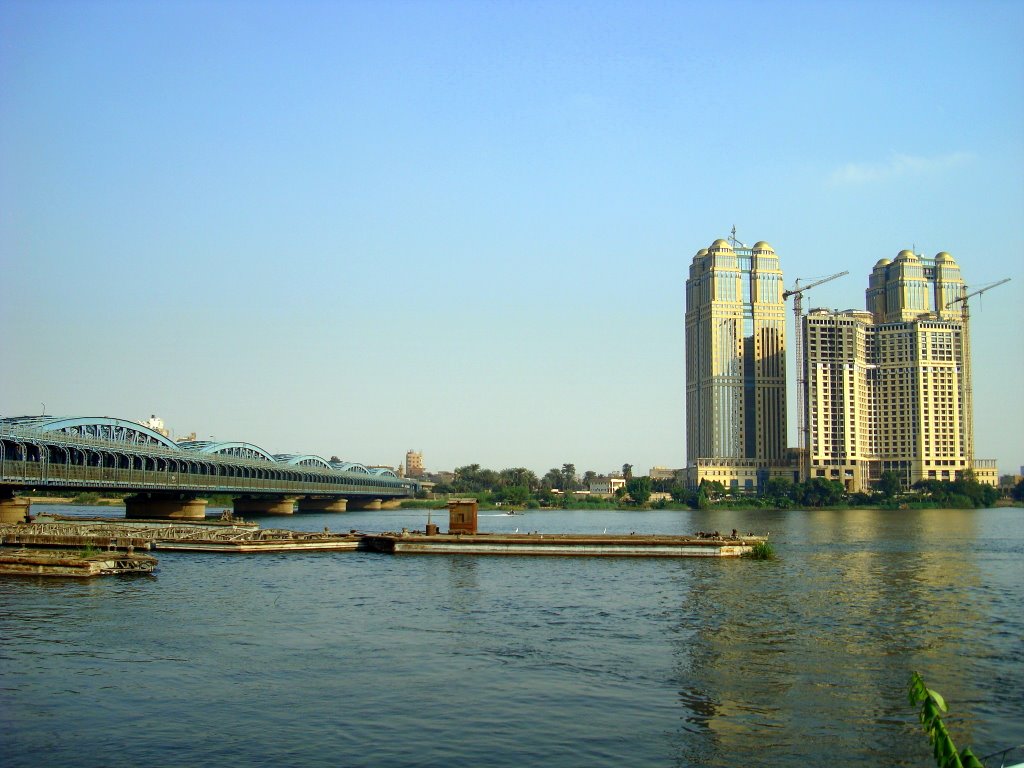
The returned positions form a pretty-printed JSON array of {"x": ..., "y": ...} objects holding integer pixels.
[
  {"x": 797, "y": 292},
  {"x": 966, "y": 386}
]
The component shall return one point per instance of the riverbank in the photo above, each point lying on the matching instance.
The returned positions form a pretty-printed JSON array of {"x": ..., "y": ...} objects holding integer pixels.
[{"x": 728, "y": 504}]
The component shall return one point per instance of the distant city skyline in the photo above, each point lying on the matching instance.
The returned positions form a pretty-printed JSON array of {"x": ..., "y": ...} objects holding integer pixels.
[{"x": 347, "y": 228}]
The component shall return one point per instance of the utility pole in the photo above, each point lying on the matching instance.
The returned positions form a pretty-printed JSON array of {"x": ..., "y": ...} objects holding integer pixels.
[{"x": 797, "y": 292}]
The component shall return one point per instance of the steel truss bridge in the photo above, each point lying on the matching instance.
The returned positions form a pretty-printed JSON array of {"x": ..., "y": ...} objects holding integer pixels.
[{"x": 167, "y": 478}]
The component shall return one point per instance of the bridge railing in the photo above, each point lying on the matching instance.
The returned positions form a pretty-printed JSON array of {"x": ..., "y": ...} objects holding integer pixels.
[
  {"x": 113, "y": 478},
  {"x": 291, "y": 479}
]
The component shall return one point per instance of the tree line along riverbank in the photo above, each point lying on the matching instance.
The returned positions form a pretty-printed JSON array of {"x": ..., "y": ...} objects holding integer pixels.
[
  {"x": 500, "y": 490},
  {"x": 521, "y": 488}
]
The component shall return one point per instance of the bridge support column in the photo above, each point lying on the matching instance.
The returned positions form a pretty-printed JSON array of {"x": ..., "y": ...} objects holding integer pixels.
[
  {"x": 391, "y": 504},
  {"x": 13, "y": 509},
  {"x": 329, "y": 504},
  {"x": 164, "y": 507},
  {"x": 357, "y": 503},
  {"x": 248, "y": 505}
]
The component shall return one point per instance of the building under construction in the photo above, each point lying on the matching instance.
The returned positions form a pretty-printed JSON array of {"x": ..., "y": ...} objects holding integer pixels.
[
  {"x": 882, "y": 389},
  {"x": 889, "y": 388}
]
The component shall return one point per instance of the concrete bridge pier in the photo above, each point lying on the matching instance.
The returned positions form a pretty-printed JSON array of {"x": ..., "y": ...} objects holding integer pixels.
[
  {"x": 370, "y": 504},
  {"x": 252, "y": 505},
  {"x": 161, "y": 506},
  {"x": 320, "y": 504},
  {"x": 391, "y": 504},
  {"x": 12, "y": 508}
]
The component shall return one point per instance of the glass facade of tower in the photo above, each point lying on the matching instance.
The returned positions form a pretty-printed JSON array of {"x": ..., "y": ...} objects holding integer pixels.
[{"x": 735, "y": 354}]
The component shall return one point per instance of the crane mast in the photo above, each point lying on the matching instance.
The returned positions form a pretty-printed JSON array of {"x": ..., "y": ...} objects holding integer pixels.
[
  {"x": 967, "y": 386},
  {"x": 797, "y": 292}
]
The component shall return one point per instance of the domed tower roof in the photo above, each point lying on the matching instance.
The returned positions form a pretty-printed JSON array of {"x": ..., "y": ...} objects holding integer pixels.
[
  {"x": 944, "y": 258},
  {"x": 906, "y": 255},
  {"x": 702, "y": 252},
  {"x": 762, "y": 247},
  {"x": 720, "y": 245},
  {"x": 882, "y": 263}
]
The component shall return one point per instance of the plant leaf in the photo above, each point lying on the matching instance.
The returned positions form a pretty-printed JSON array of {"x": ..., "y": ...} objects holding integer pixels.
[
  {"x": 968, "y": 760},
  {"x": 938, "y": 699}
]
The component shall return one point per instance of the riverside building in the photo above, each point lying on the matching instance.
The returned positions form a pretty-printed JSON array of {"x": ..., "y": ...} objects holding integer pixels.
[
  {"x": 414, "y": 464},
  {"x": 889, "y": 388},
  {"x": 736, "y": 366}
]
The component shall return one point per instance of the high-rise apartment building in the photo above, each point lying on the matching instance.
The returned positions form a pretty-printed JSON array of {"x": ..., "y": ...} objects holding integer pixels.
[
  {"x": 889, "y": 388},
  {"x": 735, "y": 363},
  {"x": 414, "y": 464}
]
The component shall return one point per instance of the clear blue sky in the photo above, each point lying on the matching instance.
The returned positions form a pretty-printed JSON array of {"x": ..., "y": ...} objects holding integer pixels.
[{"x": 356, "y": 228}]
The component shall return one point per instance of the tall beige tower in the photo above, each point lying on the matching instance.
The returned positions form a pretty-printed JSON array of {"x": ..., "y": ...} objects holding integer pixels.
[
  {"x": 735, "y": 354},
  {"x": 889, "y": 388}
]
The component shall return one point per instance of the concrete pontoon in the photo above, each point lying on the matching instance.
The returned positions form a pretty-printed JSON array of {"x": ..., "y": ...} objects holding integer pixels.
[
  {"x": 73, "y": 564},
  {"x": 571, "y": 544}
]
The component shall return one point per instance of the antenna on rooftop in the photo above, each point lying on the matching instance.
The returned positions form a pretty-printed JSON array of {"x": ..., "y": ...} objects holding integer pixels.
[{"x": 733, "y": 241}]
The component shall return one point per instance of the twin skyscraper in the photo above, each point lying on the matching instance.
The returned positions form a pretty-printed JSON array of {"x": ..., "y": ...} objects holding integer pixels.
[{"x": 881, "y": 389}]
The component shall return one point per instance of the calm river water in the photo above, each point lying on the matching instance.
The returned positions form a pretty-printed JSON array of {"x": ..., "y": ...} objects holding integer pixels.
[{"x": 357, "y": 659}]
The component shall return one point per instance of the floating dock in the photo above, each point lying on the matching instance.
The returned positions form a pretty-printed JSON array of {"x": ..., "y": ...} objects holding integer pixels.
[
  {"x": 464, "y": 539},
  {"x": 73, "y": 564},
  {"x": 565, "y": 544},
  {"x": 266, "y": 541},
  {"x": 112, "y": 535}
]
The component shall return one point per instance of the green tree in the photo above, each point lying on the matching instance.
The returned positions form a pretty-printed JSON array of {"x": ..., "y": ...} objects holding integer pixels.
[
  {"x": 777, "y": 488},
  {"x": 639, "y": 489},
  {"x": 472, "y": 479},
  {"x": 1017, "y": 494},
  {"x": 569, "y": 477},
  {"x": 889, "y": 483},
  {"x": 519, "y": 476},
  {"x": 663, "y": 484},
  {"x": 819, "y": 492},
  {"x": 552, "y": 479},
  {"x": 627, "y": 472},
  {"x": 712, "y": 489},
  {"x": 514, "y": 494},
  {"x": 682, "y": 494}
]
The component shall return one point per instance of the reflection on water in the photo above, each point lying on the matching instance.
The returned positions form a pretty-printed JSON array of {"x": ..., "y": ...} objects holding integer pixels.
[{"x": 364, "y": 659}]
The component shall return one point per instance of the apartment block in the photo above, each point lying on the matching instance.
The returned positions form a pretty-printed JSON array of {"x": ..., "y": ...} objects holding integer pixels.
[{"x": 888, "y": 388}]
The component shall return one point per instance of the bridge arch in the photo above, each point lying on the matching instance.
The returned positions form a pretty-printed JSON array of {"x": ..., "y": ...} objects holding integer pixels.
[
  {"x": 102, "y": 427},
  {"x": 350, "y": 466},
  {"x": 234, "y": 449},
  {"x": 308, "y": 460}
]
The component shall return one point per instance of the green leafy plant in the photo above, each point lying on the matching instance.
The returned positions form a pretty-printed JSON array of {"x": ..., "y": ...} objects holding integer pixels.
[
  {"x": 932, "y": 706},
  {"x": 761, "y": 550}
]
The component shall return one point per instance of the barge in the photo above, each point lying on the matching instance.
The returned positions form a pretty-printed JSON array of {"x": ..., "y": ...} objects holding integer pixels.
[
  {"x": 73, "y": 564},
  {"x": 464, "y": 539},
  {"x": 108, "y": 535},
  {"x": 298, "y": 542},
  {"x": 574, "y": 544}
]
